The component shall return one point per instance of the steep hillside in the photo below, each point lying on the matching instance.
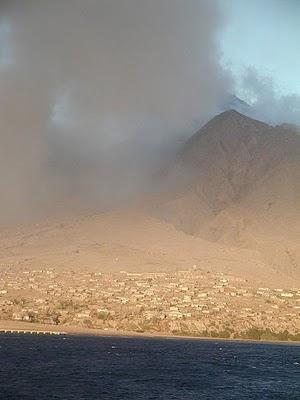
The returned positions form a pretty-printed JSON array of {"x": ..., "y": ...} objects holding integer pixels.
[
  {"x": 243, "y": 190},
  {"x": 130, "y": 241}
]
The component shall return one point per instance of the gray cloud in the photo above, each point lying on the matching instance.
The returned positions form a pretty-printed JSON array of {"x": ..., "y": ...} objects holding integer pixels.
[
  {"x": 80, "y": 77},
  {"x": 266, "y": 103}
]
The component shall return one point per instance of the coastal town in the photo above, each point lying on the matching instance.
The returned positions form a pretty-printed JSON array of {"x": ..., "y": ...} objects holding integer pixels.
[{"x": 188, "y": 302}]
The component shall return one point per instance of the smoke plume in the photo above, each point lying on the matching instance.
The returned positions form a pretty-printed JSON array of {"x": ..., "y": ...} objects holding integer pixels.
[
  {"x": 87, "y": 86},
  {"x": 266, "y": 103}
]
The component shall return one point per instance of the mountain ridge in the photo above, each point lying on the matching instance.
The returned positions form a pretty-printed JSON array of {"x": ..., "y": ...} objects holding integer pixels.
[{"x": 244, "y": 189}]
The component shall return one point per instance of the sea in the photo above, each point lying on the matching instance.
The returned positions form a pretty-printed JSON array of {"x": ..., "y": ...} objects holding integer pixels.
[{"x": 38, "y": 367}]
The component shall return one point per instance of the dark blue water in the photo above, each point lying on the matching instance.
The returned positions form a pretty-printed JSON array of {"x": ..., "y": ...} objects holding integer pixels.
[{"x": 36, "y": 367}]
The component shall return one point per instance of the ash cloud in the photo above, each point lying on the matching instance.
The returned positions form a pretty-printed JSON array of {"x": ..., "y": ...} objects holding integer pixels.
[
  {"x": 266, "y": 103},
  {"x": 91, "y": 91}
]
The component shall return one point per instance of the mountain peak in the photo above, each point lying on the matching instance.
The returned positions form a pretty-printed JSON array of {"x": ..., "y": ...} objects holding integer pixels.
[
  {"x": 237, "y": 117},
  {"x": 232, "y": 102},
  {"x": 241, "y": 186},
  {"x": 231, "y": 112},
  {"x": 228, "y": 126},
  {"x": 235, "y": 152}
]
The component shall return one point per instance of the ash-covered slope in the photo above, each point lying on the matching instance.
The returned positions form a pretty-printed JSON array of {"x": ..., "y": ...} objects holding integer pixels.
[
  {"x": 131, "y": 241},
  {"x": 244, "y": 187},
  {"x": 235, "y": 188}
]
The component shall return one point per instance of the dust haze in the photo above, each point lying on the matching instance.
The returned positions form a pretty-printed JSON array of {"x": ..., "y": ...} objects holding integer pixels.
[{"x": 92, "y": 91}]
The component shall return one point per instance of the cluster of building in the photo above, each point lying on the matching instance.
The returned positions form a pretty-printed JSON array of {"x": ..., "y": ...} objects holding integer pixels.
[{"x": 189, "y": 302}]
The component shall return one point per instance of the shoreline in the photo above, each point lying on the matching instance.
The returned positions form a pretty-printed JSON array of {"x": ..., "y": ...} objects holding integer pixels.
[{"x": 20, "y": 327}]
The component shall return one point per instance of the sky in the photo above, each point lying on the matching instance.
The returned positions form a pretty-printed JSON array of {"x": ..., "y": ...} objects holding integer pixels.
[{"x": 263, "y": 35}]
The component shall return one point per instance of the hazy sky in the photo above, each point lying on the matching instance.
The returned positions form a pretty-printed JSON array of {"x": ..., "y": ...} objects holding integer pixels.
[
  {"x": 264, "y": 35},
  {"x": 261, "y": 34}
]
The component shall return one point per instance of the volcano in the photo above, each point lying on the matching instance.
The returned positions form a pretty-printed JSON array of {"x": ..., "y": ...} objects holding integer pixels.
[
  {"x": 230, "y": 203},
  {"x": 243, "y": 188}
]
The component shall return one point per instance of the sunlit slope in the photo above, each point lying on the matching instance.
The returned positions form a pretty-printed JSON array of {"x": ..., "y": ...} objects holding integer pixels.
[
  {"x": 124, "y": 241},
  {"x": 244, "y": 190}
]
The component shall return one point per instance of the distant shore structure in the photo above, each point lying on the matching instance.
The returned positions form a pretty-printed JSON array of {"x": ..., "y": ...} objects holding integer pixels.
[{"x": 32, "y": 332}]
